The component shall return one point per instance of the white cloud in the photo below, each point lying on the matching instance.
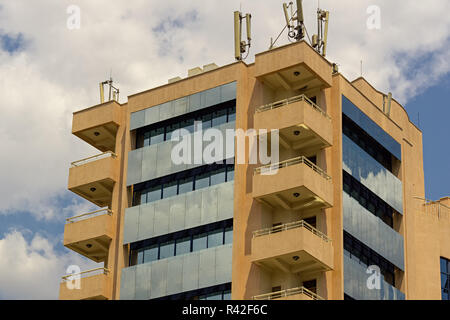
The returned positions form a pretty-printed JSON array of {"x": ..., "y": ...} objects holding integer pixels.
[
  {"x": 33, "y": 270},
  {"x": 148, "y": 42}
]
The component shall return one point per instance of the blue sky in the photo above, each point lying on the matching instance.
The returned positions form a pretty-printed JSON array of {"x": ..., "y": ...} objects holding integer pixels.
[{"x": 49, "y": 71}]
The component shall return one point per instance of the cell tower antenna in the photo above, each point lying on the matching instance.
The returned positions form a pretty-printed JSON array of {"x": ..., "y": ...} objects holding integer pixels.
[
  {"x": 320, "y": 40},
  {"x": 240, "y": 46},
  {"x": 113, "y": 92},
  {"x": 297, "y": 31}
]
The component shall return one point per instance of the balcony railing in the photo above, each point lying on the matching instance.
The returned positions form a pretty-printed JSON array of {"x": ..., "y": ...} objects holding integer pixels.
[
  {"x": 288, "y": 292},
  {"x": 84, "y": 274},
  {"x": 291, "y": 225},
  {"x": 89, "y": 215},
  {"x": 291, "y": 162},
  {"x": 287, "y": 101},
  {"x": 103, "y": 155}
]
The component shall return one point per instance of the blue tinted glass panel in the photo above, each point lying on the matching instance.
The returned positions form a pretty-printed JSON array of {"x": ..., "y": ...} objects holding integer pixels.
[
  {"x": 201, "y": 181},
  {"x": 231, "y": 114},
  {"x": 368, "y": 125},
  {"x": 229, "y": 235},
  {"x": 372, "y": 174},
  {"x": 170, "y": 129},
  {"x": 186, "y": 185},
  {"x": 199, "y": 242},
  {"x": 230, "y": 173},
  {"x": 214, "y": 296},
  {"x": 206, "y": 121},
  {"x": 227, "y": 295},
  {"x": 151, "y": 254},
  {"x": 170, "y": 189},
  {"x": 218, "y": 176},
  {"x": 166, "y": 250},
  {"x": 444, "y": 265},
  {"x": 140, "y": 257},
  {"x": 154, "y": 194},
  {"x": 215, "y": 238},
  {"x": 157, "y": 136},
  {"x": 219, "y": 117},
  {"x": 183, "y": 246}
]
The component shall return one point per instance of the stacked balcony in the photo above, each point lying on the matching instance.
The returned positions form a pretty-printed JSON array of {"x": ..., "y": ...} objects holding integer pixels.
[
  {"x": 302, "y": 124},
  {"x": 88, "y": 285},
  {"x": 98, "y": 125},
  {"x": 294, "y": 184},
  {"x": 304, "y": 249},
  {"x": 93, "y": 178},
  {"x": 90, "y": 234}
]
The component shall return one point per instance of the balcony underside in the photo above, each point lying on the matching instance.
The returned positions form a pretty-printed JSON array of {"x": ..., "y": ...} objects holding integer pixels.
[
  {"x": 297, "y": 187},
  {"x": 97, "y": 192},
  {"x": 90, "y": 237},
  {"x": 98, "y": 125},
  {"x": 102, "y": 137}
]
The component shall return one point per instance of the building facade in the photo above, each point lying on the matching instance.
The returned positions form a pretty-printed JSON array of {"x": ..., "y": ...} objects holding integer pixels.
[{"x": 341, "y": 217}]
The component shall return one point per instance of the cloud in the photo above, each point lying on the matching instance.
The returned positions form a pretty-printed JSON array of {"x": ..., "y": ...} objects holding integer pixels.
[{"x": 33, "y": 269}]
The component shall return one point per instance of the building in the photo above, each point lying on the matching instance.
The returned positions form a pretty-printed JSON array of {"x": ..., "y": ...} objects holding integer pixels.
[{"x": 346, "y": 194}]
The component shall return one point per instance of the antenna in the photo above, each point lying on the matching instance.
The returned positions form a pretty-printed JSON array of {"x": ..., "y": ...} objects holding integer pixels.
[
  {"x": 240, "y": 46},
  {"x": 297, "y": 32},
  {"x": 112, "y": 90},
  {"x": 320, "y": 40}
]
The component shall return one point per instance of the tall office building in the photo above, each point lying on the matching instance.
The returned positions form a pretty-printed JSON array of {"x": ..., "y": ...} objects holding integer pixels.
[{"x": 341, "y": 217}]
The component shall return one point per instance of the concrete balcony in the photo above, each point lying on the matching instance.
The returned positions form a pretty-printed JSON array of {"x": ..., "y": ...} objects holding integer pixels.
[
  {"x": 98, "y": 125},
  {"x": 94, "y": 284},
  {"x": 292, "y": 248},
  {"x": 300, "y": 293},
  {"x": 302, "y": 124},
  {"x": 293, "y": 67},
  {"x": 294, "y": 184},
  {"x": 94, "y": 178},
  {"x": 90, "y": 234}
]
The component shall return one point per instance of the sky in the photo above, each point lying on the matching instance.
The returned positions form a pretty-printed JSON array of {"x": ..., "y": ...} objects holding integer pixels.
[{"x": 48, "y": 70}]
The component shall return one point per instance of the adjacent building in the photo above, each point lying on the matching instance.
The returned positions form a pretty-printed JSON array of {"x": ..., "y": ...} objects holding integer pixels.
[{"x": 345, "y": 205}]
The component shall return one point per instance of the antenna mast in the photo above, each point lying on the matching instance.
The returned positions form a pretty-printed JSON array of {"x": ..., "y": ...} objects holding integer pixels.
[
  {"x": 112, "y": 91},
  {"x": 320, "y": 40},
  {"x": 240, "y": 46},
  {"x": 296, "y": 32}
]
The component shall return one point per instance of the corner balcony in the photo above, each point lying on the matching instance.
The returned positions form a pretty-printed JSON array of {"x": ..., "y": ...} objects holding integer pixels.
[
  {"x": 94, "y": 178},
  {"x": 293, "y": 67},
  {"x": 292, "y": 248},
  {"x": 98, "y": 125},
  {"x": 90, "y": 234},
  {"x": 302, "y": 124},
  {"x": 95, "y": 284},
  {"x": 294, "y": 184},
  {"x": 300, "y": 293}
]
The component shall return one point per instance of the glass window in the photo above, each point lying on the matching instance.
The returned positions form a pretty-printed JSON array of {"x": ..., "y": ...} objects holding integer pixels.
[
  {"x": 143, "y": 197},
  {"x": 218, "y": 176},
  {"x": 215, "y": 238},
  {"x": 183, "y": 246},
  {"x": 199, "y": 242},
  {"x": 154, "y": 193},
  {"x": 146, "y": 139},
  {"x": 214, "y": 296},
  {"x": 444, "y": 265},
  {"x": 201, "y": 181},
  {"x": 206, "y": 121},
  {"x": 219, "y": 117},
  {"x": 166, "y": 250},
  {"x": 185, "y": 185},
  {"x": 170, "y": 129},
  {"x": 229, "y": 235},
  {"x": 170, "y": 189},
  {"x": 227, "y": 295},
  {"x": 230, "y": 173},
  {"x": 151, "y": 254},
  {"x": 140, "y": 257},
  {"x": 188, "y": 124},
  {"x": 157, "y": 135},
  {"x": 232, "y": 114}
]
